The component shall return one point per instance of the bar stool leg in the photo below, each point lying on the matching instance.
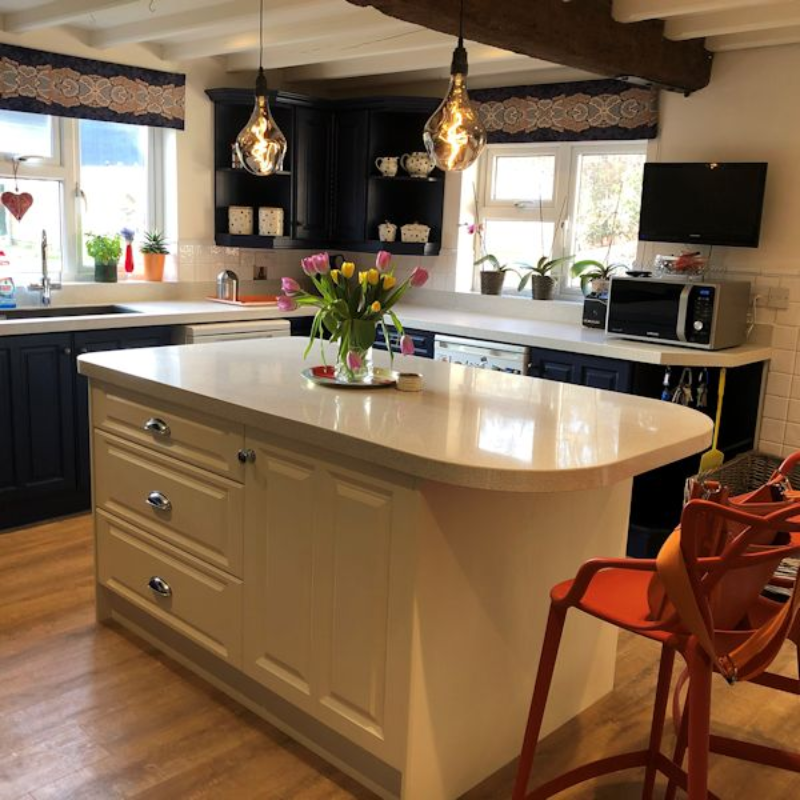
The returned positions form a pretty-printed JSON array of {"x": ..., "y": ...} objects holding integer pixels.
[
  {"x": 680, "y": 752},
  {"x": 699, "y": 710},
  {"x": 544, "y": 675},
  {"x": 659, "y": 712}
]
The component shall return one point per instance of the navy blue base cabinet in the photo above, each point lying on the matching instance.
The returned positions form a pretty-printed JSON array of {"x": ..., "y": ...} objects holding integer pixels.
[{"x": 44, "y": 447}]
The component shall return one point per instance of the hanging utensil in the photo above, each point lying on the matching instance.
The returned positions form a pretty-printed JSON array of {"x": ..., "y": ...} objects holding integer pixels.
[{"x": 713, "y": 458}]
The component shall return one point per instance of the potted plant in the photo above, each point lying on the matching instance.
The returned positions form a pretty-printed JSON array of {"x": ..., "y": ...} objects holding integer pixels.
[
  {"x": 594, "y": 274},
  {"x": 154, "y": 253},
  {"x": 492, "y": 279},
  {"x": 543, "y": 284},
  {"x": 105, "y": 250}
]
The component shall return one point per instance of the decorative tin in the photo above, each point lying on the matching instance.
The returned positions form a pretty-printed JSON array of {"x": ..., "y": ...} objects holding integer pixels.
[
  {"x": 240, "y": 220},
  {"x": 270, "y": 221},
  {"x": 415, "y": 232}
]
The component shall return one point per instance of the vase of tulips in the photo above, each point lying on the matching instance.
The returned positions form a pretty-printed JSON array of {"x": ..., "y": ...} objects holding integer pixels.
[{"x": 351, "y": 304}]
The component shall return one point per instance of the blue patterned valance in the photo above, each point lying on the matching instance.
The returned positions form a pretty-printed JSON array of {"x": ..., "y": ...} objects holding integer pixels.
[
  {"x": 67, "y": 86},
  {"x": 568, "y": 112}
]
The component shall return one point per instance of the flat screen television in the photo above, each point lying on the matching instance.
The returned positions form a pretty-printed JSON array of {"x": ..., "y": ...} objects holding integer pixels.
[{"x": 712, "y": 203}]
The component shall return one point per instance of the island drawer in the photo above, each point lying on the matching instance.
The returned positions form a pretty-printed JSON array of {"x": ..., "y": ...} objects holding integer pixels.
[
  {"x": 197, "y": 601},
  {"x": 205, "y": 441},
  {"x": 197, "y": 511}
]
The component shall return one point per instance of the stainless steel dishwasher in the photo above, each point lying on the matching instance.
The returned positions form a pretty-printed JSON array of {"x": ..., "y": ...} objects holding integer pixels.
[{"x": 498, "y": 356}]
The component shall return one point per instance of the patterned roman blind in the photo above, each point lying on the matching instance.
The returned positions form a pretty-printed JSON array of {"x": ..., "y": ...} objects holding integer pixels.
[
  {"x": 67, "y": 86},
  {"x": 568, "y": 112}
]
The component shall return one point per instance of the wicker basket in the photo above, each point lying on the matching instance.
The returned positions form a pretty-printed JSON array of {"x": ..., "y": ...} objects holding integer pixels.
[{"x": 747, "y": 472}]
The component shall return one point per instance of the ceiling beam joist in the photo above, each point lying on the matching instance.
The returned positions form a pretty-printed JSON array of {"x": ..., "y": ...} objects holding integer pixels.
[
  {"x": 56, "y": 13},
  {"x": 332, "y": 30},
  {"x": 640, "y": 10},
  {"x": 241, "y": 15},
  {"x": 580, "y": 35},
  {"x": 745, "y": 41},
  {"x": 742, "y": 20}
]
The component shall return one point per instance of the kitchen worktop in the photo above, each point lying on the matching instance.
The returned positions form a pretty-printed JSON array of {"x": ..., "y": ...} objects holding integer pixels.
[
  {"x": 468, "y": 427},
  {"x": 571, "y": 337},
  {"x": 142, "y": 314}
]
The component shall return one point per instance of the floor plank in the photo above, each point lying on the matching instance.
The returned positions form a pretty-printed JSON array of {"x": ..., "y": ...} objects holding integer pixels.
[{"x": 91, "y": 712}]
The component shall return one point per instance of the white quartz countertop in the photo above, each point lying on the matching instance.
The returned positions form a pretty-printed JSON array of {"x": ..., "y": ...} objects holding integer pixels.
[
  {"x": 571, "y": 338},
  {"x": 174, "y": 312},
  {"x": 468, "y": 427}
]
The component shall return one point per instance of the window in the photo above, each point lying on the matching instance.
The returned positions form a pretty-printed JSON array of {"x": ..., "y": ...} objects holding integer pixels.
[
  {"x": 84, "y": 176},
  {"x": 579, "y": 200}
]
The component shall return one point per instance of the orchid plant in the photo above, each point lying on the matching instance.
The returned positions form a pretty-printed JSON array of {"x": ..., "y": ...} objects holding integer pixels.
[{"x": 351, "y": 305}]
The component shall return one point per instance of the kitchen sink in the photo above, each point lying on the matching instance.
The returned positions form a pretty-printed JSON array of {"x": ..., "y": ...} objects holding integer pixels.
[{"x": 61, "y": 311}]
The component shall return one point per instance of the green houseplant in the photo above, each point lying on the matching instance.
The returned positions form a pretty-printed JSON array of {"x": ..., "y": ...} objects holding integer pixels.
[
  {"x": 154, "y": 252},
  {"x": 543, "y": 284},
  {"x": 595, "y": 274},
  {"x": 492, "y": 279},
  {"x": 105, "y": 250}
]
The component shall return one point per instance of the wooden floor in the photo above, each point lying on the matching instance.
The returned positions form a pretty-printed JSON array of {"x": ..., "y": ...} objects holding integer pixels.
[{"x": 91, "y": 712}]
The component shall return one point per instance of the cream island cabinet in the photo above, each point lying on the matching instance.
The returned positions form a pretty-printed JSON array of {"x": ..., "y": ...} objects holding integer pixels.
[{"x": 369, "y": 571}]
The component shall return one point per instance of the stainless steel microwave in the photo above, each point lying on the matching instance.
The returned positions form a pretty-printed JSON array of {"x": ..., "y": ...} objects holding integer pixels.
[{"x": 710, "y": 316}]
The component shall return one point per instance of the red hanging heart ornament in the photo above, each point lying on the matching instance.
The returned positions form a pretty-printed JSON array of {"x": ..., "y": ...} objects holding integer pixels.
[{"x": 17, "y": 204}]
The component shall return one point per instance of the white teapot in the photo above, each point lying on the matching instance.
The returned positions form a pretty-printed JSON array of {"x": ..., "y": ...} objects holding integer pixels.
[
  {"x": 417, "y": 165},
  {"x": 415, "y": 232}
]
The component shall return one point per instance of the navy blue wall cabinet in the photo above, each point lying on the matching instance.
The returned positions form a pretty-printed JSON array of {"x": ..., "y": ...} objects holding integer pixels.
[
  {"x": 332, "y": 194},
  {"x": 44, "y": 455}
]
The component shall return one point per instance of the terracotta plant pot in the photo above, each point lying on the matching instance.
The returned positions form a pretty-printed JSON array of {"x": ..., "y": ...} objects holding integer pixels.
[
  {"x": 492, "y": 282},
  {"x": 543, "y": 287},
  {"x": 105, "y": 273},
  {"x": 154, "y": 266}
]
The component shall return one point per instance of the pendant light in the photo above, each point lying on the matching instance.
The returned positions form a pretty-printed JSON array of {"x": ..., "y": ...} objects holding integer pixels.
[
  {"x": 454, "y": 136},
  {"x": 261, "y": 145}
]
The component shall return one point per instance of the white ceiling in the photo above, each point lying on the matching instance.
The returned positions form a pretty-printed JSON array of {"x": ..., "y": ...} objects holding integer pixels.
[{"x": 313, "y": 40}]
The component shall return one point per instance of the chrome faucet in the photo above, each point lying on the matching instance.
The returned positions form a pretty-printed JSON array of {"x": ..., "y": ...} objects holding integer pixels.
[{"x": 46, "y": 286}]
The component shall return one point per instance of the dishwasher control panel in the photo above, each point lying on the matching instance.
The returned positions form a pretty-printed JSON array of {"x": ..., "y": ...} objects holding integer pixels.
[{"x": 496, "y": 356}]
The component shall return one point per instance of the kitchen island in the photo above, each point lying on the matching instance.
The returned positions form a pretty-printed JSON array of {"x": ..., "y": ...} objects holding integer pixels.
[{"x": 368, "y": 570}]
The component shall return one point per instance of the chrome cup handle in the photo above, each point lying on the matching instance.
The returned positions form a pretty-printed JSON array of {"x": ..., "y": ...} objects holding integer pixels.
[
  {"x": 160, "y": 586},
  {"x": 159, "y": 501},
  {"x": 157, "y": 426}
]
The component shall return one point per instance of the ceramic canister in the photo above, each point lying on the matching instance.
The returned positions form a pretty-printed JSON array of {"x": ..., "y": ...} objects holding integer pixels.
[
  {"x": 387, "y": 232},
  {"x": 414, "y": 232},
  {"x": 240, "y": 220},
  {"x": 270, "y": 221}
]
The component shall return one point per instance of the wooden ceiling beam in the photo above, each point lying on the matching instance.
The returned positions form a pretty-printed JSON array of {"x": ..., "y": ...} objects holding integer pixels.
[
  {"x": 743, "y": 20},
  {"x": 57, "y": 13},
  {"x": 789, "y": 34},
  {"x": 580, "y": 34}
]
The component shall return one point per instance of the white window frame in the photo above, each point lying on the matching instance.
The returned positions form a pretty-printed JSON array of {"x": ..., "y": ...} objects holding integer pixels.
[
  {"x": 565, "y": 196},
  {"x": 64, "y": 167}
]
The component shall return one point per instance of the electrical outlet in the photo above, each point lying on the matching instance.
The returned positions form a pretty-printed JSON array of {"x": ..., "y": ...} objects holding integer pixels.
[{"x": 776, "y": 297}]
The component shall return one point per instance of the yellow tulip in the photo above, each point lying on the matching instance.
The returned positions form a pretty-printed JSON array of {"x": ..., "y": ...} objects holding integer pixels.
[
  {"x": 373, "y": 277},
  {"x": 376, "y": 307},
  {"x": 389, "y": 281},
  {"x": 335, "y": 276},
  {"x": 362, "y": 277},
  {"x": 348, "y": 268}
]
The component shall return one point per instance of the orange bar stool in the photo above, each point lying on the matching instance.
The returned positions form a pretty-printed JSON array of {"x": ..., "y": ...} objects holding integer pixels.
[{"x": 709, "y": 611}]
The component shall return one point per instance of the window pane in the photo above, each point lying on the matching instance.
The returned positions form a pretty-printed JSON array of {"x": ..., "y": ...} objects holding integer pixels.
[
  {"x": 515, "y": 240},
  {"x": 609, "y": 190},
  {"x": 113, "y": 177},
  {"x": 524, "y": 178},
  {"x": 21, "y": 240},
  {"x": 24, "y": 134}
]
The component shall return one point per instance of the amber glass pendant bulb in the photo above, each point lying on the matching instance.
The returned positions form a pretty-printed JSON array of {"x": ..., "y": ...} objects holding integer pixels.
[
  {"x": 454, "y": 135},
  {"x": 261, "y": 145}
]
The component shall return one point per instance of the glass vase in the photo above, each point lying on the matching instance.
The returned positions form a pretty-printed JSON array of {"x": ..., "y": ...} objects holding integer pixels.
[{"x": 354, "y": 366}]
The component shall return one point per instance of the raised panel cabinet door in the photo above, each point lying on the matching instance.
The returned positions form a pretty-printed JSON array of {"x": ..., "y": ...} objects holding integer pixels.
[
  {"x": 557, "y": 371},
  {"x": 281, "y": 522},
  {"x": 350, "y": 152},
  {"x": 8, "y": 460},
  {"x": 312, "y": 173},
  {"x": 354, "y": 610},
  {"x": 44, "y": 413}
]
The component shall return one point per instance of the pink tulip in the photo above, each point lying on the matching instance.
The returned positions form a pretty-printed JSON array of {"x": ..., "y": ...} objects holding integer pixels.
[
  {"x": 354, "y": 361},
  {"x": 309, "y": 267},
  {"x": 287, "y": 303},
  {"x": 406, "y": 345},
  {"x": 321, "y": 263},
  {"x": 419, "y": 277},
  {"x": 383, "y": 260},
  {"x": 290, "y": 285}
]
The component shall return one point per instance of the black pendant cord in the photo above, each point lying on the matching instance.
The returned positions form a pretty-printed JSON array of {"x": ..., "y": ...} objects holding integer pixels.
[
  {"x": 261, "y": 35},
  {"x": 459, "y": 65}
]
